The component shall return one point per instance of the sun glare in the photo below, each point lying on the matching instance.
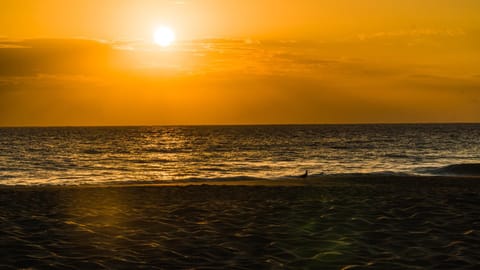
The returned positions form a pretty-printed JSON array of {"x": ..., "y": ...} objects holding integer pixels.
[{"x": 164, "y": 36}]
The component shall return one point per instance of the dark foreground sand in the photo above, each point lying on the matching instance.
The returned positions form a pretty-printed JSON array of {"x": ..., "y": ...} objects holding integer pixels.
[{"x": 383, "y": 223}]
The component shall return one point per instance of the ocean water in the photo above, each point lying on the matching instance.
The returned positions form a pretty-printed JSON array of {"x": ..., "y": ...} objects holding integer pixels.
[{"x": 81, "y": 155}]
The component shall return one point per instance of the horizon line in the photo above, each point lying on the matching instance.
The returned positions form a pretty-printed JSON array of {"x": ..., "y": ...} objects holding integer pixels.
[{"x": 247, "y": 124}]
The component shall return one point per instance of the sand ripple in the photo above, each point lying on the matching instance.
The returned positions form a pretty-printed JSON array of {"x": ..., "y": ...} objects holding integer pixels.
[{"x": 355, "y": 226}]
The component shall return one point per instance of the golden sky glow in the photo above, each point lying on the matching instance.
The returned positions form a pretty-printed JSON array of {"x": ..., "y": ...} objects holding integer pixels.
[{"x": 239, "y": 62}]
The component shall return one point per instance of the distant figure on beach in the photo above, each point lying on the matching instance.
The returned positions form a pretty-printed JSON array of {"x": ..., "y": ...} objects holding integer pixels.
[{"x": 305, "y": 175}]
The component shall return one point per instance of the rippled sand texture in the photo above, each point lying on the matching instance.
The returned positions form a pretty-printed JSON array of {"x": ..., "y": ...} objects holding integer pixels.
[{"x": 376, "y": 224}]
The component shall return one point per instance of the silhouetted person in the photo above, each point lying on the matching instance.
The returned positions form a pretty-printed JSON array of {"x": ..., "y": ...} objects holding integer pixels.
[{"x": 305, "y": 175}]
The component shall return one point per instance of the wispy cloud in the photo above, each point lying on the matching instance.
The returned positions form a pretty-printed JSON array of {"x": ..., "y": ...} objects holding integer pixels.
[
  {"x": 243, "y": 57},
  {"x": 421, "y": 32},
  {"x": 53, "y": 56}
]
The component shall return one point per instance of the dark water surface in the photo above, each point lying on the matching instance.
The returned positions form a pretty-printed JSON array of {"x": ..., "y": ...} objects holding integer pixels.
[{"x": 77, "y": 155}]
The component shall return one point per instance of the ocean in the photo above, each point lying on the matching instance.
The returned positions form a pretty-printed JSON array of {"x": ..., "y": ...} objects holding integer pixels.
[{"x": 123, "y": 155}]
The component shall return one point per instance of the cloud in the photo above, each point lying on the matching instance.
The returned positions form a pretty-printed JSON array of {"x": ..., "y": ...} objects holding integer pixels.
[
  {"x": 211, "y": 56},
  {"x": 414, "y": 33},
  {"x": 206, "y": 59},
  {"x": 54, "y": 56}
]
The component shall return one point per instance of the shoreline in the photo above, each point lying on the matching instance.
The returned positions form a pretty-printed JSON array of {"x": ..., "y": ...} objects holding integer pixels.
[{"x": 290, "y": 181}]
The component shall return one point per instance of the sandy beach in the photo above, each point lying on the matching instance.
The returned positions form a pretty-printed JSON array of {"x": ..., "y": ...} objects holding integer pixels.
[{"x": 381, "y": 223}]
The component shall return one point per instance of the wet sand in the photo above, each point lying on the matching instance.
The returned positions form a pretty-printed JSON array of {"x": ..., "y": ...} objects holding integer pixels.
[{"x": 356, "y": 223}]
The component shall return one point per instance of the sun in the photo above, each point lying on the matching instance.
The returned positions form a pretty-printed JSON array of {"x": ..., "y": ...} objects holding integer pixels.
[{"x": 164, "y": 36}]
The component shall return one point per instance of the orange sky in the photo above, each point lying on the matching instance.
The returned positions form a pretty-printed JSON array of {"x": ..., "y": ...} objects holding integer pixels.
[{"x": 239, "y": 62}]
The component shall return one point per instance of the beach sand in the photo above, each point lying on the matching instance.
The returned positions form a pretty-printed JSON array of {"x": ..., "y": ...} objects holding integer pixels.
[{"x": 329, "y": 223}]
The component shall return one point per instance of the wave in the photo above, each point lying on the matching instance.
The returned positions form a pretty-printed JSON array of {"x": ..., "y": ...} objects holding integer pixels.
[
  {"x": 369, "y": 174},
  {"x": 193, "y": 180},
  {"x": 259, "y": 180},
  {"x": 455, "y": 170},
  {"x": 462, "y": 169}
]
